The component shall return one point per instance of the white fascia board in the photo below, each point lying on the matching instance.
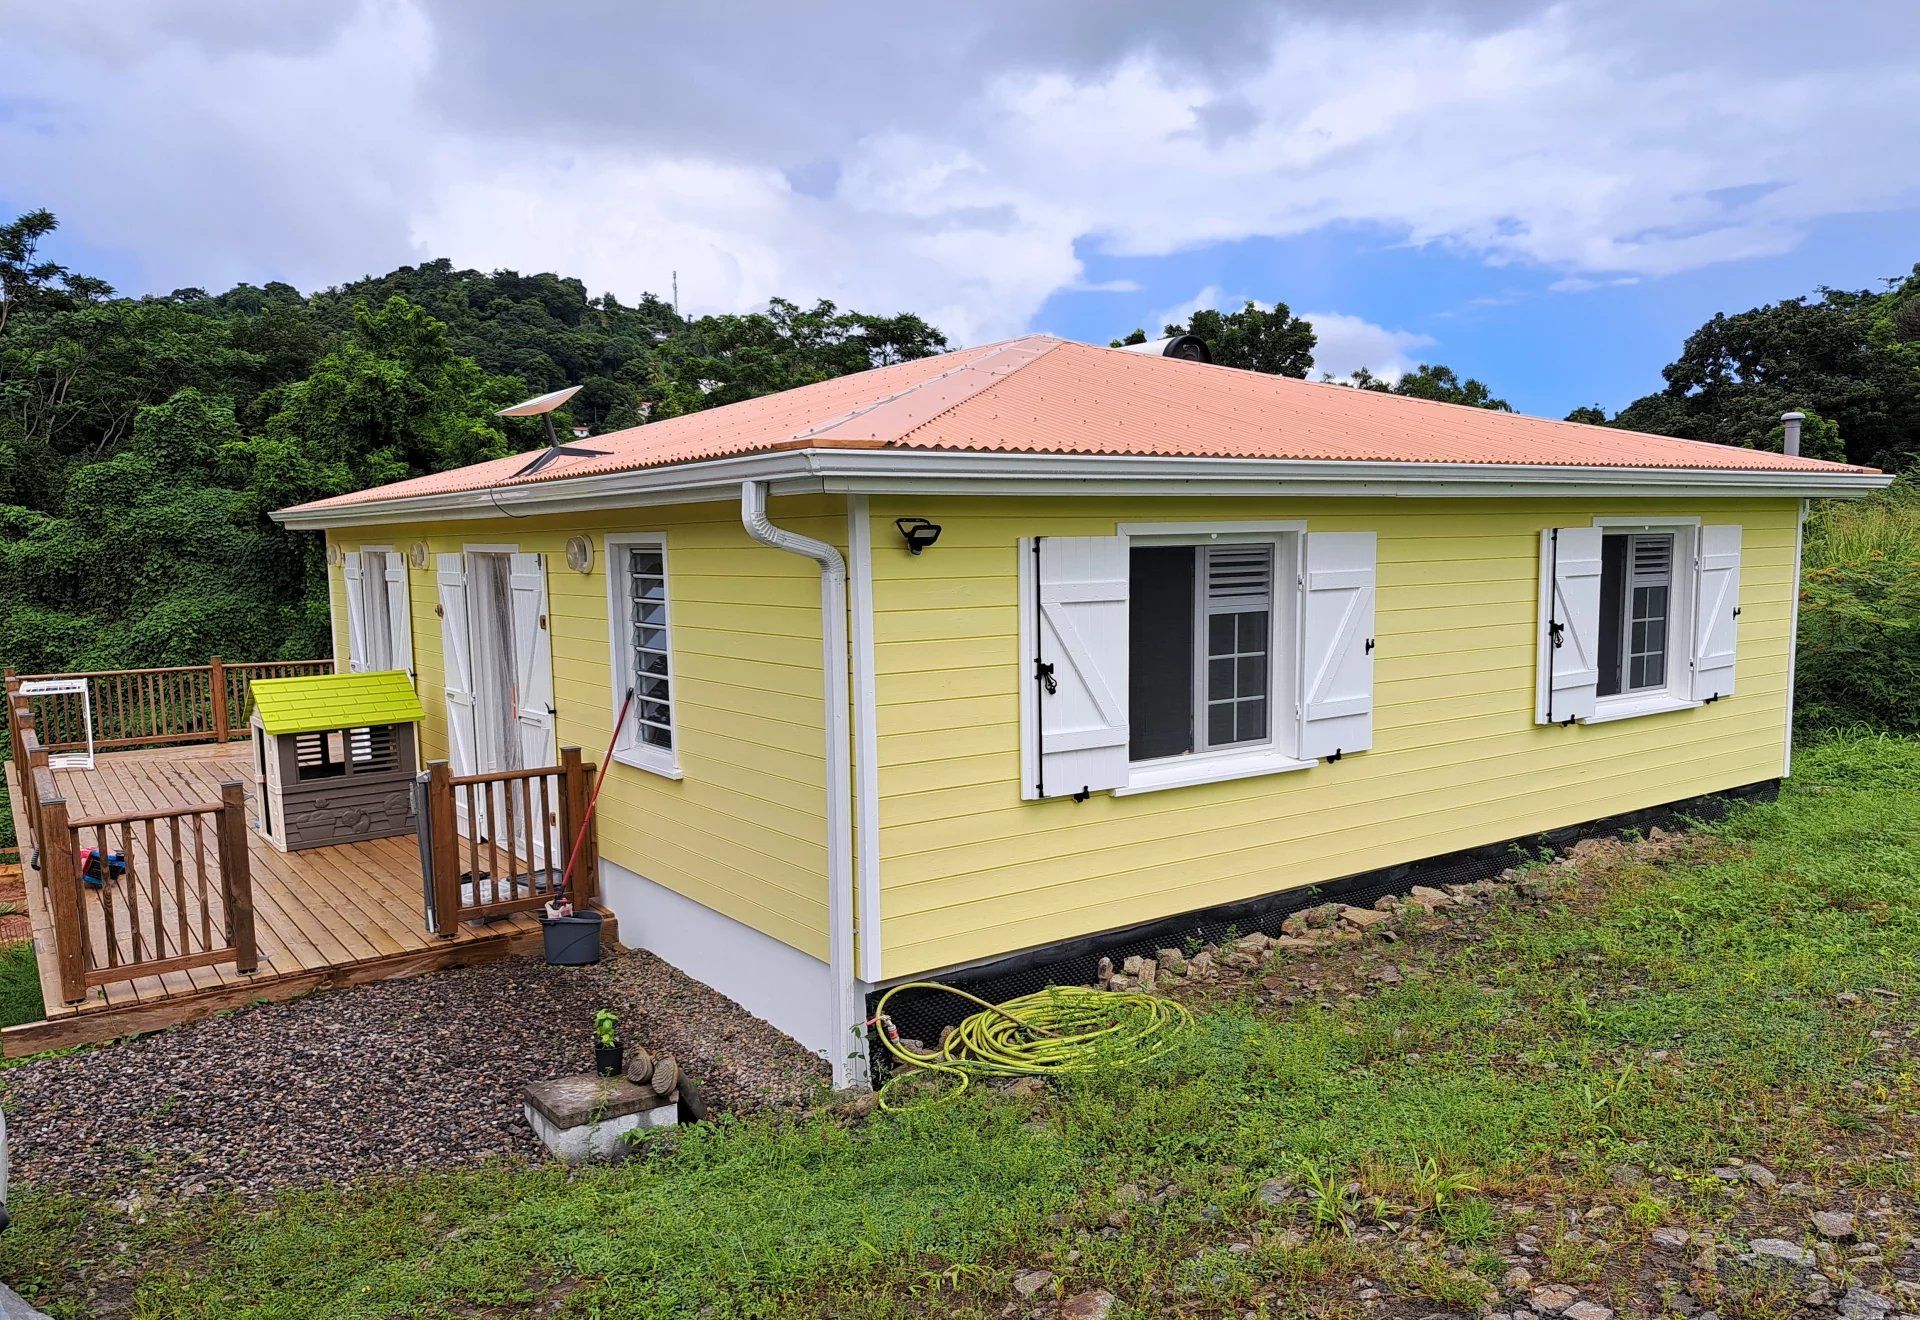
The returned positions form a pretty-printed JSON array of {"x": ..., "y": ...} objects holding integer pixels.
[
  {"x": 933, "y": 472},
  {"x": 681, "y": 483},
  {"x": 959, "y": 473}
]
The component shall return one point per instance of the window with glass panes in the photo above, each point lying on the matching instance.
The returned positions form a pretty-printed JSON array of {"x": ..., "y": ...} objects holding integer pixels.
[
  {"x": 1636, "y": 611},
  {"x": 1200, "y": 648},
  {"x": 651, "y": 663}
]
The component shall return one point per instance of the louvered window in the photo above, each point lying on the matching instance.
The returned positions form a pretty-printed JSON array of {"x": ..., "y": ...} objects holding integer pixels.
[
  {"x": 1238, "y": 605},
  {"x": 319, "y": 756},
  {"x": 1636, "y": 611},
  {"x": 645, "y": 652},
  {"x": 371, "y": 750},
  {"x": 1201, "y": 663}
]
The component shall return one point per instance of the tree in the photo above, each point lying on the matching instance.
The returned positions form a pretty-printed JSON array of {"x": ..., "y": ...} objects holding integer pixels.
[
  {"x": 724, "y": 359},
  {"x": 1443, "y": 385},
  {"x": 1428, "y": 381},
  {"x": 1591, "y": 415},
  {"x": 1852, "y": 357},
  {"x": 1253, "y": 339}
]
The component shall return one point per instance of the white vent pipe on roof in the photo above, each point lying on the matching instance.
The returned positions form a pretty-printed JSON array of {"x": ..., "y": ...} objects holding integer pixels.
[
  {"x": 1790, "y": 429},
  {"x": 847, "y": 1054}
]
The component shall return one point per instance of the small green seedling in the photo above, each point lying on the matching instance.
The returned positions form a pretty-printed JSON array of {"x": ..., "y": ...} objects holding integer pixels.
[{"x": 603, "y": 1024}]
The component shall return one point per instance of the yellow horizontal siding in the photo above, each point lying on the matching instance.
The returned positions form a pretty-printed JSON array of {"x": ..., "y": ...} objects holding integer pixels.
[
  {"x": 744, "y": 831},
  {"x": 970, "y": 871}
]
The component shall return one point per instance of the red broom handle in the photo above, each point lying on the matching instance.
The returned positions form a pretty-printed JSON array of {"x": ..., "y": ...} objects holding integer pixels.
[{"x": 599, "y": 778}]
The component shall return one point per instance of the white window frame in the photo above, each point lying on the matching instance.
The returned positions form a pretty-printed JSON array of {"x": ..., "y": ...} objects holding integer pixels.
[
  {"x": 1676, "y": 692},
  {"x": 365, "y": 622},
  {"x": 628, "y": 749},
  {"x": 1243, "y": 760}
]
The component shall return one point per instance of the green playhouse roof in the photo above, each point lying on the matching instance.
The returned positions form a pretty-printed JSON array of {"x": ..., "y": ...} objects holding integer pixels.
[{"x": 317, "y": 702}]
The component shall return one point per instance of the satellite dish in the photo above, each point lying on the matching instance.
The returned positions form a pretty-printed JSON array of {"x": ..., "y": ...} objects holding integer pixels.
[{"x": 543, "y": 405}]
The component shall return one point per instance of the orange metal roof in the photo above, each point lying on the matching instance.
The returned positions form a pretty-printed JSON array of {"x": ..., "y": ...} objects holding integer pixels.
[{"x": 1040, "y": 395}]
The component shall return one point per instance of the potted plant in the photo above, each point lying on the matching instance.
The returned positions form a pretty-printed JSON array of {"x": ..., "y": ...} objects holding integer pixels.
[{"x": 609, "y": 1055}]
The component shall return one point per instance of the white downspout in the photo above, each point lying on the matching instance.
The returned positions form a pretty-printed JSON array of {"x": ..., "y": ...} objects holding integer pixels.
[{"x": 848, "y": 1055}]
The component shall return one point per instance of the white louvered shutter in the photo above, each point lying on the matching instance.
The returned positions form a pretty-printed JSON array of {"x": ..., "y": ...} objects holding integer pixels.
[
  {"x": 532, "y": 661},
  {"x": 1078, "y": 677},
  {"x": 1336, "y": 645},
  {"x": 1569, "y": 640},
  {"x": 356, "y": 612},
  {"x": 399, "y": 611},
  {"x": 1716, "y": 612},
  {"x": 456, "y": 658}
]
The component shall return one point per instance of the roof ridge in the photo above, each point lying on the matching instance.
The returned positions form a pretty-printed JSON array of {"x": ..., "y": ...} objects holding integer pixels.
[{"x": 1023, "y": 345}]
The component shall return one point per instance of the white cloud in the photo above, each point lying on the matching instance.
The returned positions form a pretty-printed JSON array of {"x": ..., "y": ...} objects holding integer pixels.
[
  {"x": 1347, "y": 343},
  {"x": 1598, "y": 143}
]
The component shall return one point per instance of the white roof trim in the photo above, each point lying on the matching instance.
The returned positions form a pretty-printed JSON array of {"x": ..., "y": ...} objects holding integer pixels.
[{"x": 923, "y": 471}]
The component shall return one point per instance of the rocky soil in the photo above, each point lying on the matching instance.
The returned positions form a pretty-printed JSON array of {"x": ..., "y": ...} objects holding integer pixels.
[
  {"x": 1777, "y": 1241},
  {"x": 391, "y": 1078}
]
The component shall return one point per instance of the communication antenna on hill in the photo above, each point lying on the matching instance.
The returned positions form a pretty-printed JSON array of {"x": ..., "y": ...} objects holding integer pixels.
[
  {"x": 676, "y": 293},
  {"x": 543, "y": 405}
]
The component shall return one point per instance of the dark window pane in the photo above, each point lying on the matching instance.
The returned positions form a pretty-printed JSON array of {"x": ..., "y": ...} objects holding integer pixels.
[
  {"x": 1253, "y": 630},
  {"x": 1160, "y": 658},
  {"x": 1613, "y": 597},
  {"x": 1253, "y": 676},
  {"x": 1220, "y": 724},
  {"x": 650, "y": 562},
  {"x": 1219, "y": 679},
  {"x": 1220, "y": 635},
  {"x": 655, "y": 737},
  {"x": 1252, "y": 721}
]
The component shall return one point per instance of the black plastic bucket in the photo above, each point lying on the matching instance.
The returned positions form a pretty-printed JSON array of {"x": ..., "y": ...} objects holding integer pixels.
[{"x": 572, "y": 941}]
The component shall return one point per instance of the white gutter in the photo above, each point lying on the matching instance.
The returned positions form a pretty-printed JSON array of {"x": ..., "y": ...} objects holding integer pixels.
[
  {"x": 848, "y": 1058},
  {"x": 933, "y": 472}
]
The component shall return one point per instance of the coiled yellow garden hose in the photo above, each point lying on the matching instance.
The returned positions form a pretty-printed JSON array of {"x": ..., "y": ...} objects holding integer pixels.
[{"x": 1062, "y": 1029}]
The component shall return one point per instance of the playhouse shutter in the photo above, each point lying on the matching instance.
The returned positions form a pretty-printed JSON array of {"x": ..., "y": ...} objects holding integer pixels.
[
  {"x": 1569, "y": 639},
  {"x": 1336, "y": 636},
  {"x": 532, "y": 661},
  {"x": 356, "y": 612},
  {"x": 1079, "y": 628},
  {"x": 399, "y": 614},
  {"x": 1716, "y": 610},
  {"x": 456, "y": 652}
]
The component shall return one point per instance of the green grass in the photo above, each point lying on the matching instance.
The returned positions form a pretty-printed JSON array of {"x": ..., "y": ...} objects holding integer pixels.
[
  {"x": 19, "y": 985},
  {"x": 1522, "y": 1061}
]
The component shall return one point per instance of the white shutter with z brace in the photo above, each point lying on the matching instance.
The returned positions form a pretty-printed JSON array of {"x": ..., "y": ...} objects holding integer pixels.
[
  {"x": 532, "y": 661},
  {"x": 356, "y": 616},
  {"x": 1078, "y": 677},
  {"x": 399, "y": 611},
  {"x": 1569, "y": 657},
  {"x": 1336, "y": 645},
  {"x": 456, "y": 652},
  {"x": 1716, "y": 611}
]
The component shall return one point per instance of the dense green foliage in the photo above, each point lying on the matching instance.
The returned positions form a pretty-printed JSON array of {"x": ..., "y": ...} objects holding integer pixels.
[
  {"x": 1682, "y": 1010},
  {"x": 19, "y": 983},
  {"x": 143, "y": 441},
  {"x": 1852, "y": 357},
  {"x": 1251, "y": 339},
  {"x": 1442, "y": 384},
  {"x": 1859, "y": 660}
]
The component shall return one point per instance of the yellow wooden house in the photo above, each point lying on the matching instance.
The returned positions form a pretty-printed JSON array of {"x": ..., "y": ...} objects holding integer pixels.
[{"x": 962, "y": 659}]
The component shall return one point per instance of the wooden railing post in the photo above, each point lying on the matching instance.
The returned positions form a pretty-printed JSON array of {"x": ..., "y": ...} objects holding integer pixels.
[
  {"x": 33, "y": 777},
  {"x": 576, "y": 779},
  {"x": 236, "y": 876},
  {"x": 443, "y": 846},
  {"x": 59, "y": 866},
  {"x": 217, "y": 674}
]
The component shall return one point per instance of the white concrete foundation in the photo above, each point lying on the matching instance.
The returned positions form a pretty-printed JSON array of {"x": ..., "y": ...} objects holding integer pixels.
[
  {"x": 599, "y": 1140},
  {"x": 774, "y": 981}
]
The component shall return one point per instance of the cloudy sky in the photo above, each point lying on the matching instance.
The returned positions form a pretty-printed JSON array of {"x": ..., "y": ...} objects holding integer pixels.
[{"x": 1547, "y": 196}]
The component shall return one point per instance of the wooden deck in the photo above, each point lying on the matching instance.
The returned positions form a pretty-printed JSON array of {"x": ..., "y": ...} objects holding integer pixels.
[{"x": 327, "y": 916}]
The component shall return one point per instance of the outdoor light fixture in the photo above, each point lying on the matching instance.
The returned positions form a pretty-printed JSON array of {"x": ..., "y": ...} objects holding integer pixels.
[{"x": 919, "y": 533}]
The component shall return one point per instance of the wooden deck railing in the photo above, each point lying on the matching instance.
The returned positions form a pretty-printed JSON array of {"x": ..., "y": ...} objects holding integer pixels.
[
  {"x": 155, "y": 707},
  {"x": 498, "y": 843},
  {"x": 181, "y": 896}
]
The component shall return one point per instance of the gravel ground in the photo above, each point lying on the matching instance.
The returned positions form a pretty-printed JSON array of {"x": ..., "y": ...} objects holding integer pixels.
[{"x": 399, "y": 1076}]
